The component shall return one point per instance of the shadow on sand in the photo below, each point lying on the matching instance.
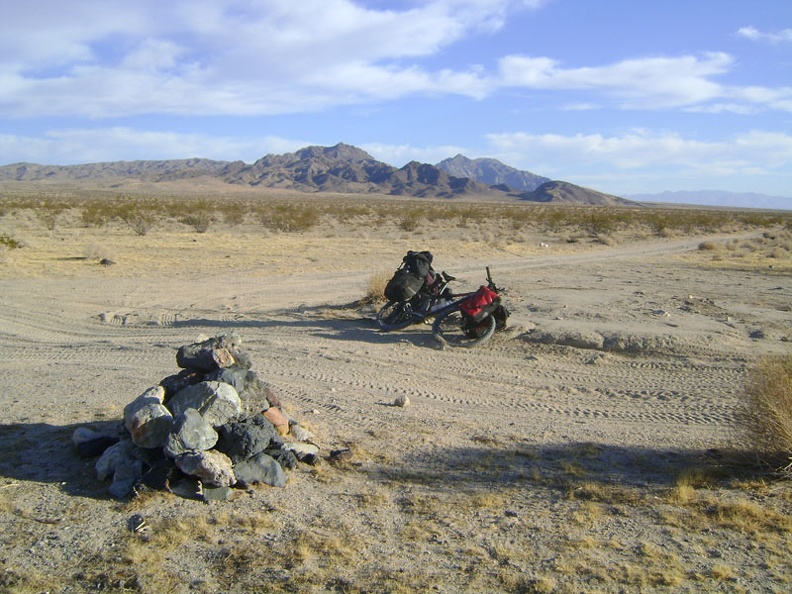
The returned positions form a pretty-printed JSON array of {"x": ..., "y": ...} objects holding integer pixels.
[{"x": 43, "y": 453}]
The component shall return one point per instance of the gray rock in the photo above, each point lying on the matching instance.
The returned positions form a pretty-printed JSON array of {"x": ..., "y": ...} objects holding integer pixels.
[
  {"x": 190, "y": 432},
  {"x": 244, "y": 439},
  {"x": 147, "y": 419},
  {"x": 215, "y": 494},
  {"x": 89, "y": 443},
  {"x": 211, "y": 467},
  {"x": 261, "y": 468},
  {"x": 300, "y": 433},
  {"x": 125, "y": 477},
  {"x": 247, "y": 383},
  {"x": 214, "y": 353},
  {"x": 113, "y": 457},
  {"x": 217, "y": 402},
  {"x": 173, "y": 384},
  {"x": 303, "y": 451},
  {"x": 286, "y": 458},
  {"x": 122, "y": 462},
  {"x": 234, "y": 375}
]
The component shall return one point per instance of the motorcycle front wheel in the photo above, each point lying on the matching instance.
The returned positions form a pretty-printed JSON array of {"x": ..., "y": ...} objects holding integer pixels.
[
  {"x": 395, "y": 315},
  {"x": 451, "y": 328}
]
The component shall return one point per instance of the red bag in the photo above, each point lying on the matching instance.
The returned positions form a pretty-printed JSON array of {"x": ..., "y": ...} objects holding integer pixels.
[{"x": 481, "y": 303}]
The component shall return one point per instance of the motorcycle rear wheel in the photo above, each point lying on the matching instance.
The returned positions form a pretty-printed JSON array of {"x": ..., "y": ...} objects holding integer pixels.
[
  {"x": 395, "y": 315},
  {"x": 450, "y": 328}
]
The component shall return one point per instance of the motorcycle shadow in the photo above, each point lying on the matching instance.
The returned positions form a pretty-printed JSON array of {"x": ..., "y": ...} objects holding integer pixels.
[{"x": 348, "y": 323}]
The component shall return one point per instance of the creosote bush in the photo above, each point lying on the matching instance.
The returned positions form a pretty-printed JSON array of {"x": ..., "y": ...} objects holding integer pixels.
[
  {"x": 289, "y": 217},
  {"x": 200, "y": 215},
  {"x": 769, "y": 405}
]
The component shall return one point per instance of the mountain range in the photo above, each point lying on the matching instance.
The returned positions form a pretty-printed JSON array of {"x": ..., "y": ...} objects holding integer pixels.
[{"x": 341, "y": 169}]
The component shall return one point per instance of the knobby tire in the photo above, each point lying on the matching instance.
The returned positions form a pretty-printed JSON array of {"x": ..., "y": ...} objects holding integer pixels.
[
  {"x": 393, "y": 316},
  {"x": 450, "y": 329}
]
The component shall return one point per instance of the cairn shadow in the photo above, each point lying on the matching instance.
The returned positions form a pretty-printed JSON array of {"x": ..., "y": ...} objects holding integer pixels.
[
  {"x": 561, "y": 470},
  {"x": 44, "y": 453}
]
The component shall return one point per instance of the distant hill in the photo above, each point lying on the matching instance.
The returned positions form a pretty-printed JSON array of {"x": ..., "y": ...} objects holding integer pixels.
[
  {"x": 563, "y": 192},
  {"x": 340, "y": 169},
  {"x": 346, "y": 169},
  {"x": 716, "y": 198},
  {"x": 148, "y": 170},
  {"x": 492, "y": 172}
]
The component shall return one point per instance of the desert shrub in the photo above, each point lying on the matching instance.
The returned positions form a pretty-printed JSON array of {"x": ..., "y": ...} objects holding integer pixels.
[
  {"x": 200, "y": 215},
  {"x": 344, "y": 213},
  {"x": 707, "y": 246},
  {"x": 375, "y": 290},
  {"x": 602, "y": 221},
  {"x": 289, "y": 217},
  {"x": 769, "y": 405},
  {"x": 9, "y": 242},
  {"x": 409, "y": 221},
  {"x": 141, "y": 217},
  {"x": 233, "y": 213},
  {"x": 48, "y": 211},
  {"x": 98, "y": 214}
]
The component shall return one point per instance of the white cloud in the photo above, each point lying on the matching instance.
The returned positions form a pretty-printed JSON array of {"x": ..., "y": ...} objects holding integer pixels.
[
  {"x": 400, "y": 155},
  {"x": 643, "y": 154},
  {"x": 649, "y": 82},
  {"x": 243, "y": 57},
  {"x": 64, "y": 147},
  {"x": 239, "y": 57},
  {"x": 785, "y": 35}
]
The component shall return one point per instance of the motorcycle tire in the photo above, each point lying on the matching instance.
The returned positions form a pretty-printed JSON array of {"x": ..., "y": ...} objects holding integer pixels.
[
  {"x": 395, "y": 315},
  {"x": 451, "y": 328}
]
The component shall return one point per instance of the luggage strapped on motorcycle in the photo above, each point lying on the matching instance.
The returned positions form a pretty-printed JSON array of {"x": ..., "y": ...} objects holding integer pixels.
[{"x": 410, "y": 277}]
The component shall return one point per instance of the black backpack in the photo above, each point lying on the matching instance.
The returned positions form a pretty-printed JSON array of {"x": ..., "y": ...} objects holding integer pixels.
[
  {"x": 418, "y": 263},
  {"x": 409, "y": 278}
]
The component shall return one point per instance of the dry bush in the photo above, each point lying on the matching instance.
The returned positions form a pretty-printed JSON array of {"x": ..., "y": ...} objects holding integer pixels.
[
  {"x": 769, "y": 405},
  {"x": 200, "y": 215},
  {"x": 289, "y": 218},
  {"x": 409, "y": 221},
  {"x": 9, "y": 242},
  {"x": 375, "y": 291}
]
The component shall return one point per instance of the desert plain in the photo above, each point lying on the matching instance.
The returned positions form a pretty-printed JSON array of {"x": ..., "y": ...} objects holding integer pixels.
[{"x": 595, "y": 445}]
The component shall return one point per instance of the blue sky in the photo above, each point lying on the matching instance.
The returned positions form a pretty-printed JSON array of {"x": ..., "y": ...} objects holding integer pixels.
[{"x": 623, "y": 96}]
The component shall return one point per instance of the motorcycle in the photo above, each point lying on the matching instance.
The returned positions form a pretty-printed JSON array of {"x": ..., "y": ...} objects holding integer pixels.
[
  {"x": 463, "y": 320},
  {"x": 425, "y": 304}
]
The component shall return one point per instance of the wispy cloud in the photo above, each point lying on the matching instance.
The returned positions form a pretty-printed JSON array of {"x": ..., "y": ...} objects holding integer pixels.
[
  {"x": 646, "y": 82},
  {"x": 199, "y": 57},
  {"x": 71, "y": 146},
  {"x": 241, "y": 57},
  {"x": 644, "y": 152},
  {"x": 783, "y": 36}
]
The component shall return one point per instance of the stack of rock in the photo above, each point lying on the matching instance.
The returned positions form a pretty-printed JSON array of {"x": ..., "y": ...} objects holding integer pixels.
[{"x": 192, "y": 435}]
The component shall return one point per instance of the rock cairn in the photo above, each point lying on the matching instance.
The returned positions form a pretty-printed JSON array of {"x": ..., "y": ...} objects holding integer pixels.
[{"x": 192, "y": 434}]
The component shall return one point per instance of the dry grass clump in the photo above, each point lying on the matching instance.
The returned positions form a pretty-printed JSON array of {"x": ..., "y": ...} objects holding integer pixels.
[
  {"x": 375, "y": 290},
  {"x": 769, "y": 405},
  {"x": 288, "y": 218},
  {"x": 8, "y": 242}
]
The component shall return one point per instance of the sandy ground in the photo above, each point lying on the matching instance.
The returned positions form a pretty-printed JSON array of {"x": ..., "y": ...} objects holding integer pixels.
[{"x": 538, "y": 462}]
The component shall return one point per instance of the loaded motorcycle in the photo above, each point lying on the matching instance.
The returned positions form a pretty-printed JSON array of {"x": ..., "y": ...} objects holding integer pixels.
[
  {"x": 415, "y": 293},
  {"x": 462, "y": 320}
]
